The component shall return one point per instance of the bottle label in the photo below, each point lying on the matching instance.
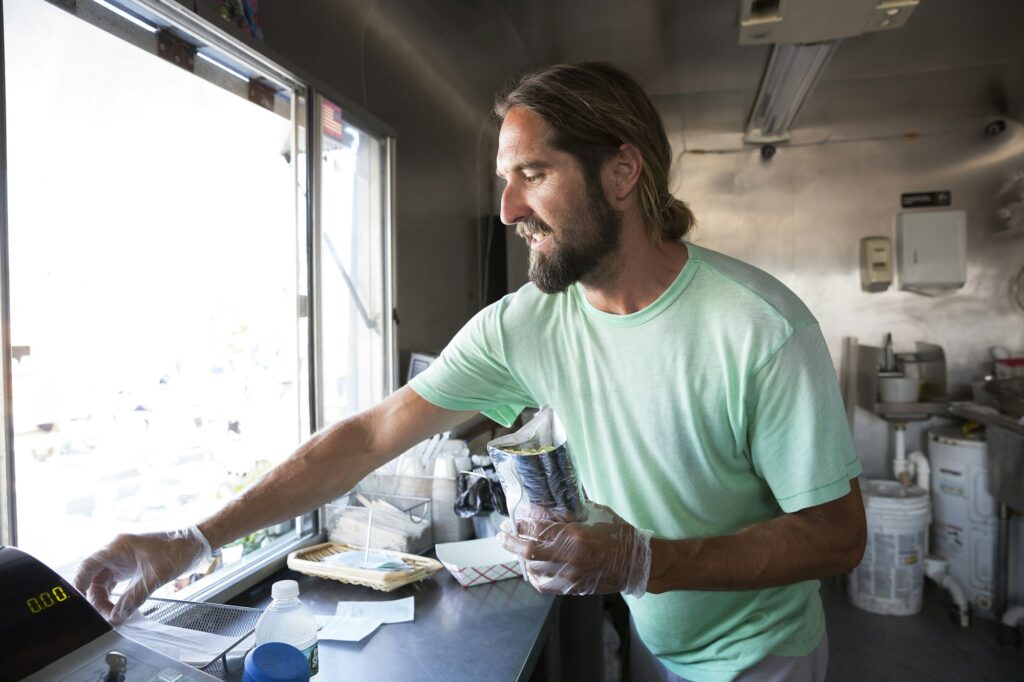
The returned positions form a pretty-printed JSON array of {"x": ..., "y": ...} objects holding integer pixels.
[{"x": 312, "y": 655}]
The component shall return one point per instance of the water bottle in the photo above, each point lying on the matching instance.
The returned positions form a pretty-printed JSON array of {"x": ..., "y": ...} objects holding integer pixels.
[
  {"x": 275, "y": 662},
  {"x": 288, "y": 620}
]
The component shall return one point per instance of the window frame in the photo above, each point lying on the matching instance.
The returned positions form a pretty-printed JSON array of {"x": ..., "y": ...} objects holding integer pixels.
[{"x": 307, "y": 135}]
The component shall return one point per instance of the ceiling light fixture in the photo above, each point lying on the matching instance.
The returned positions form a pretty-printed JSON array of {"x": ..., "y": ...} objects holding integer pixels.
[{"x": 793, "y": 71}]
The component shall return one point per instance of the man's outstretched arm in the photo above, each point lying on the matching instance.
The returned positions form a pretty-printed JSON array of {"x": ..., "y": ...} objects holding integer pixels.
[
  {"x": 326, "y": 466},
  {"x": 330, "y": 464}
]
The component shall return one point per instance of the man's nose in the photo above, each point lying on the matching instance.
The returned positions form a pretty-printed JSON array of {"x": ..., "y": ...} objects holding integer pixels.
[{"x": 514, "y": 208}]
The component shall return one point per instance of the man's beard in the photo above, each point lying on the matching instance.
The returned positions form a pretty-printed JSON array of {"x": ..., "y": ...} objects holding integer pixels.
[{"x": 589, "y": 235}]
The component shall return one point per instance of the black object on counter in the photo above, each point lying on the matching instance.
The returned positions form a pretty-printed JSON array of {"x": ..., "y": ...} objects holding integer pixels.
[{"x": 480, "y": 493}]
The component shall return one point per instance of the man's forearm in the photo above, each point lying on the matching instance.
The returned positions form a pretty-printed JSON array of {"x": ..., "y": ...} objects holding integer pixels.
[
  {"x": 321, "y": 469},
  {"x": 329, "y": 464},
  {"x": 784, "y": 550}
]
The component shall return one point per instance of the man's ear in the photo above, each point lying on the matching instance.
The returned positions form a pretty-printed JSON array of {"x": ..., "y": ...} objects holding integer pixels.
[{"x": 622, "y": 172}]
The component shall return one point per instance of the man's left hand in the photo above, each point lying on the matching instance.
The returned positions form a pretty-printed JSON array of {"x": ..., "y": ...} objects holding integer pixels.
[{"x": 603, "y": 555}]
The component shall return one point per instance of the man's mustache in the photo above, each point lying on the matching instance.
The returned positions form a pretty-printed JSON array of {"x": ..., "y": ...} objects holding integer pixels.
[{"x": 532, "y": 226}]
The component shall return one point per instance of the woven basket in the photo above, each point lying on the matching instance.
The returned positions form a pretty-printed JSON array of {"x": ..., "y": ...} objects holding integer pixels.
[{"x": 310, "y": 562}]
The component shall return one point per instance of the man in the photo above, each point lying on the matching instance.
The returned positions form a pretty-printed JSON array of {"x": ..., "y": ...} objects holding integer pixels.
[{"x": 697, "y": 393}]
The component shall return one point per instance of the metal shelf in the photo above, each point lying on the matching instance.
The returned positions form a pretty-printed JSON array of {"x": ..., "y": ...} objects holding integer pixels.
[
  {"x": 910, "y": 411},
  {"x": 988, "y": 418}
]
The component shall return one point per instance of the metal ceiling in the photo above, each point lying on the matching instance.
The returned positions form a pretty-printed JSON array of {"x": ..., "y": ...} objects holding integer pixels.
[{"x": 954, "y": 57}]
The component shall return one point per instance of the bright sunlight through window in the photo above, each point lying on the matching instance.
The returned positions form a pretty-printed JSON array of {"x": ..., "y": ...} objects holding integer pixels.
[{"x": 154, "y": 288}]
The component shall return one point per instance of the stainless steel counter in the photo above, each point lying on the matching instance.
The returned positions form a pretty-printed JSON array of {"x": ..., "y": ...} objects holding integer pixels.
[
  {"x": 1001, "y": 421},
  {"x": 493, "y": 632}
]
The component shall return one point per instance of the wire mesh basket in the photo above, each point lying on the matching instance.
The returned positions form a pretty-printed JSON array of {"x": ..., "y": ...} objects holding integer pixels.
[{"x": 236, "y": 622}]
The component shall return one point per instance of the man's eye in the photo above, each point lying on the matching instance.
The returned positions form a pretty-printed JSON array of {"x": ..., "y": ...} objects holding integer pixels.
[{"x": 533, "y": 179}]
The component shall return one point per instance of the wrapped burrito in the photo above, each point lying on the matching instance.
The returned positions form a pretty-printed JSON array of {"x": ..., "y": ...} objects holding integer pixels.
[{"x": 537, "y": 472}]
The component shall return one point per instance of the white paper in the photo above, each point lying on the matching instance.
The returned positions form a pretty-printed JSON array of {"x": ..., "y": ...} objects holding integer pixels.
[
  {"x": 188, "y": 646},
  {"x": 395, "y": 611},
  {"x": 372, "y": 560},
  {"x": 345, "y": 629}
]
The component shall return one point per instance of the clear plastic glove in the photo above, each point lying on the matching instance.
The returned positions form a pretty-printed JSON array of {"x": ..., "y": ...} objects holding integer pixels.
[
  {"x": 147, "y": 561},
  {"x": 603, "y": 555}
]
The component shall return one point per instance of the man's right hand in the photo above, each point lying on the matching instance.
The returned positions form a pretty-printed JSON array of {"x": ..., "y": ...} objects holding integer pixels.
[{"x": 147, "y": 561}]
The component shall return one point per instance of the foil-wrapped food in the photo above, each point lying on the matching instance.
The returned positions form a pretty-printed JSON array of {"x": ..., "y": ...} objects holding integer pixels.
[{"x": 536, "y": 470}]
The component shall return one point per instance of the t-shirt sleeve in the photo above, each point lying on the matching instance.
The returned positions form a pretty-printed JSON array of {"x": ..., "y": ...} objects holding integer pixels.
[
  {"x": 798, "y": 433},
  {"x": 472, "y": 372}
]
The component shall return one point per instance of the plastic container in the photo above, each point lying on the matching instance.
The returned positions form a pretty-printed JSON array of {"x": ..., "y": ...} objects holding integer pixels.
[
  {"x": 288, "y": 620},
  {"x": 399, "y": 524},
  {"x": 964, "y": 531},
  {"x": 1009, "y": 368},
  {"x": 275, "y": 662},
  {"x": 890, "y": 578},
  {"x": 399, "y": 486},
  {"x": 447, "y": 526}
]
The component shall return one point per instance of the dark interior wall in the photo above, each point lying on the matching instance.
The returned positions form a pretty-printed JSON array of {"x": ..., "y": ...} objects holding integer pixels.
[{"x": 428, "y": 70}]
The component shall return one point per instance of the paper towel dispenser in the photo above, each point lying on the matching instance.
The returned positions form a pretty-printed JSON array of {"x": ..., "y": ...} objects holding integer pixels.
[{"x": 931, "y": 249}]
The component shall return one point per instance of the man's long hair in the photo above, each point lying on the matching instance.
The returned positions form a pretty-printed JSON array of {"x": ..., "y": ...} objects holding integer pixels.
[{"x": 594, "y": 108}]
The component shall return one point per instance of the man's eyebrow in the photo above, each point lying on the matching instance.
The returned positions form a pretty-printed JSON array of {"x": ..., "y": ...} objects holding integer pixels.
[{"x": 525, "y": 165}]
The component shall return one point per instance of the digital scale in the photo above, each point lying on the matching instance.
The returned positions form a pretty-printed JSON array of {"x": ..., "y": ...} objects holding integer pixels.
[{"x": 49, "y": 632}]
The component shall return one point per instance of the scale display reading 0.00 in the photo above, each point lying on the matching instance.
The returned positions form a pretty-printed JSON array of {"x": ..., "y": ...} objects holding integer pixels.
[{"x": 46, "y": 600}]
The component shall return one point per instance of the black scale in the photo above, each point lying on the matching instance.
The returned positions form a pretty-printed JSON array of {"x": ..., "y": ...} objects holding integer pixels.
[{"x": 49, "y": 632}]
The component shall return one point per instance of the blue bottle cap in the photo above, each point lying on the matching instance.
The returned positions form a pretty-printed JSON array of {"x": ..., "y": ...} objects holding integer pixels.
[{"x": 276, "y": 662}]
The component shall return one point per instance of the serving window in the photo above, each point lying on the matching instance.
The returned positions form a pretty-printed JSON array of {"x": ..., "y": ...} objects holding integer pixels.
[{"x": 167, "y": 275}]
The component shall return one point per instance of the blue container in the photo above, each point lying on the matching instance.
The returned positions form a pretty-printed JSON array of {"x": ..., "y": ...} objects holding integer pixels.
[{"x": 276, "y": 662}]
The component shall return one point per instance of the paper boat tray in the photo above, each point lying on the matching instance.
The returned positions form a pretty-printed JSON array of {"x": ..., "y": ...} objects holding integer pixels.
[
  {"x": 476, "y": 562},
  {"x": 310, "y": 562}
]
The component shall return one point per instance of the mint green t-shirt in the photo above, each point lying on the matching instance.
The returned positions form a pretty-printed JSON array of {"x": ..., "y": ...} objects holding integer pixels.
[{"x": 714, "y": 408}]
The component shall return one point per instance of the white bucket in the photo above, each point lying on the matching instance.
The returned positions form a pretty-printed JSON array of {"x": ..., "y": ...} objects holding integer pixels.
[{"x": 890, "y": 578}]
